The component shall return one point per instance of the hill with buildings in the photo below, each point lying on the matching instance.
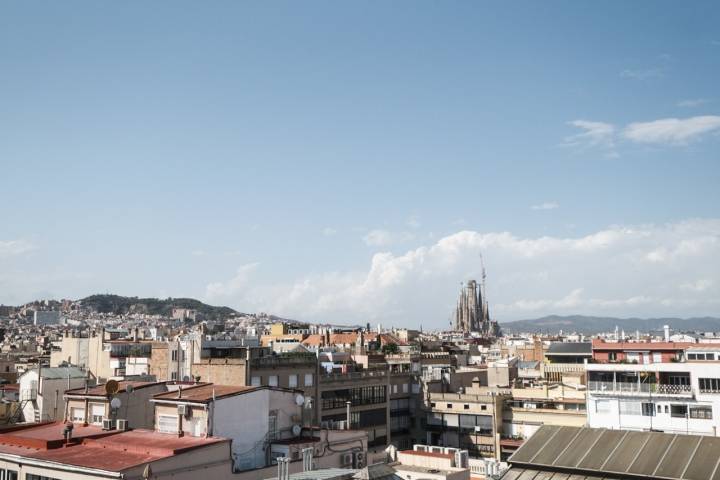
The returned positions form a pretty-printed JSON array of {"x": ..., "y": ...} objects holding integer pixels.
[
  {"x": 119, "y": 305},
  {"x": 590, "y": 324}
]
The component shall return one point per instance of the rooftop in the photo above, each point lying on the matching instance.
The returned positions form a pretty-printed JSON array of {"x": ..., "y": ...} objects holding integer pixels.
[
  {"x": 619, "y": 453},
  {"x": 205, "y": 393},
  {"x": 120, "y": 451},
  {"x": 99, "y": 390},
  {"x": 44, "y": 436},
  {"x": 570, "y": 348}
]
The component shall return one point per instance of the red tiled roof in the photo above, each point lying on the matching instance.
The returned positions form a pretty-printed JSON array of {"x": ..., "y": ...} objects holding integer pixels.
[{"x": 204, "y": 393}]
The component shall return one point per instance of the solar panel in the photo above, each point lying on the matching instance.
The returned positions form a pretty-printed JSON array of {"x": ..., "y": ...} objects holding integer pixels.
[
  {"x": 677, "y": 456},
  {"x": 703, "y": 463}
]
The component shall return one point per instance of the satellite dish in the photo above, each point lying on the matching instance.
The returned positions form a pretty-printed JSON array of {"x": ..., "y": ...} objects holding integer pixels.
[
  {"x": 296, "y": 430},
  {"x": 299, "y": 399},
  {"x": 115, "y": 403},
  {"x": 129, "y": 389},
  {"x": 112, "y": 387}
]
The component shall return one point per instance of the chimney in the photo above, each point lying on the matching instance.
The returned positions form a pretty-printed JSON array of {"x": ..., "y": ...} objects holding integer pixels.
[
  {"x": 666, "y": 329},
  {"x": 307, "y": 456},
  {"x": 283, "y": 471}
]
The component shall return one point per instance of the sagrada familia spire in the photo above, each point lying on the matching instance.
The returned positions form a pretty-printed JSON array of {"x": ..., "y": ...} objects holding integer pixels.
[{"x": 472, "y": 313}]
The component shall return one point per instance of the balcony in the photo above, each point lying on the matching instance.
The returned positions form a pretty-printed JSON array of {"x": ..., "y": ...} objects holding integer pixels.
[{"x": 640, "y": 389}]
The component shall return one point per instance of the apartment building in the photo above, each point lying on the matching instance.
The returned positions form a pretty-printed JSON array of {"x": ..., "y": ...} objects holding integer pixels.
[
  {"x": 638, "y": 352},
  {"x": 471, "y": 421},
  {"x": 92, "y": 405},
  {"x": 259, "y": 420},
  {"x": 675, "y": 397},
  {"x": 42, "y": 390},
  {"x": 366, "y": 393}
]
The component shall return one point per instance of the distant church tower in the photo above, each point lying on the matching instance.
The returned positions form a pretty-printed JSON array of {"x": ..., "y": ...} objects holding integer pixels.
[{"x": 472, "y": 313}]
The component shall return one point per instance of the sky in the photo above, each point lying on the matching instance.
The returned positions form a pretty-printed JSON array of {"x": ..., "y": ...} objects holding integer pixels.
[{"x": 349, "y": 162}]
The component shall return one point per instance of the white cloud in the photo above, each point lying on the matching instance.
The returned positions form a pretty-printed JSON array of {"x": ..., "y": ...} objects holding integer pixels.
[
  {"x": 329, "y": 231},
  {"x": 692, "y": 102},
  {"x": 622, "y": 270},
  {"x": 235, "y": 287},
  {"x": 672, "y": 131},
  {"x": 594, "y": 134},
  {"x": 11, "y": 248},
  {"x": 545, "y": 206},
  {"x": 385, "y": 238}
]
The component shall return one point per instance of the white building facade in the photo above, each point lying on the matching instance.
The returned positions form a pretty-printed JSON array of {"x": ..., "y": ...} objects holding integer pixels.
[{"x": 676, "y": 397}]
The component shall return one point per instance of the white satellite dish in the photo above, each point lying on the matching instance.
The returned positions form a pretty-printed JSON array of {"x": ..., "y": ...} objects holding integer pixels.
[
  {"x": 299, "y": 399},
  {"x": 296, "y": 430},
  {"x": 115, "y": 403}
]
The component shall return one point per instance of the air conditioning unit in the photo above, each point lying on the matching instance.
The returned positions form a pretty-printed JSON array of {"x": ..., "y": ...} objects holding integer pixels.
[
  {"x": 346, "y": 459},
  {"x": 359, "y": 460},
  {"x": 108, "y": 424},
  {"x": 121, "y": 424},
  {"x": 184, "y": 410}
]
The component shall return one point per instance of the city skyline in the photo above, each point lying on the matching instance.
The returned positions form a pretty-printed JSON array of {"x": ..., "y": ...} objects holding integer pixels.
[{"x": 350, "y": 163}]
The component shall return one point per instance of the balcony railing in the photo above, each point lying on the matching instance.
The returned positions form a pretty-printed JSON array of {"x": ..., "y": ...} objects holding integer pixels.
[{"x": 639, "y": 388}]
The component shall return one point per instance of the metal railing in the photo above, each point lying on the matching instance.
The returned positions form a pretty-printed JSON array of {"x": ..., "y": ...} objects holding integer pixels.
[{"x": 639, "y": 388}]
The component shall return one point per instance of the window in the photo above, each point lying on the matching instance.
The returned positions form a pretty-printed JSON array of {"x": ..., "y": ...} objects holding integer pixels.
[
  {"x": 77, "y": 414},
  {"x": 292, "y": 381},
  {"x": 308, "y": 379},
  {"x": 666, "y": 409},
  {"x": 97, "y": 412},
  {"x": 255, "y": 381},
  {"x": 395, "y": 389},
  {"x": 657, "y": 357},
  {"x": 483, "y": 407},
  {"x": 167, "y": 424},
  {"x": 466, "y": 407},
  {"x": 32, "y": 476},
  {"x": 704, "y": 412},
  {"x": 602, "y": 406},
  {"x": 173, "y": 376},
  {"x": 612, "y": 356},
  {"x": 273, "y": 380},
  {"x": 630, "y": 408},
  {"x": 449, "y": 405},
  {"x": 678, "y": 411},
  {"x": 11, "y": 475},
  {"x": 709, "y": 385},
  {"x": 648, "y": 409},
  {"x": 659, "y": 408},
  {"x": 406, "y": 387},
  {"x": 174, "y": 355},
  {"x": 432, "y": 404}
]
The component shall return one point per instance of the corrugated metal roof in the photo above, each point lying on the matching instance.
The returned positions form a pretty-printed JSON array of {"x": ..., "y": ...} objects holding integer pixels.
[{"x": 611, "y": 453}]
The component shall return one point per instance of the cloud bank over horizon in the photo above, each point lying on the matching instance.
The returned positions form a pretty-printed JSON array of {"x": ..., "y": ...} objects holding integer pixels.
[{"x": 632, "y": 270}]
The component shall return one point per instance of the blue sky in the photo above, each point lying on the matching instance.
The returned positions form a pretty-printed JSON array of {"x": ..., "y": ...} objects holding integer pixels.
[{"x": 321, "y": 160}]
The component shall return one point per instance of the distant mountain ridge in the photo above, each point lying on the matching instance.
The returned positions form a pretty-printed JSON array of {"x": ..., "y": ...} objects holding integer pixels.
[
  {"x": 590, "y": 324},
  {"x": 119, "y": 305}
]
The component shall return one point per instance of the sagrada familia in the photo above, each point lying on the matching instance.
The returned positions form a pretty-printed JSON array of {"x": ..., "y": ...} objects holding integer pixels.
[{"x": 472, "y": 313}]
